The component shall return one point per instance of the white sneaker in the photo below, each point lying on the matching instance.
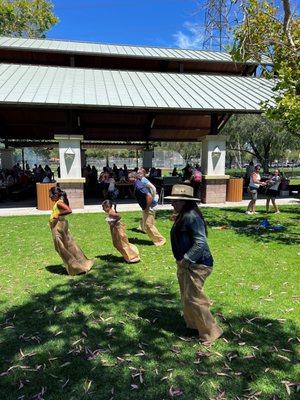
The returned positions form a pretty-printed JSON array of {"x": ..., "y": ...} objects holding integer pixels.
[
  {"x": 248, "y": 212},
  {"x": 277, "y": 212}
]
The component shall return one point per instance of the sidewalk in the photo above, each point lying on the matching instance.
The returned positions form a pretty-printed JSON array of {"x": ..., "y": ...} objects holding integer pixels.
[{"x": 12, "y": 210}]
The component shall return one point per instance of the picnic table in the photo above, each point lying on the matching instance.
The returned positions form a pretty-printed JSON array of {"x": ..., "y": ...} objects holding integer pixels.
[
  {"x": 164, "y": 185},
  {"x": 125, "y": 189}
]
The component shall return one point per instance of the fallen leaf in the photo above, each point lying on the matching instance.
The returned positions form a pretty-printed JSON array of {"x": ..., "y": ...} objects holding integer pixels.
[{"x": 175, "y": 392}]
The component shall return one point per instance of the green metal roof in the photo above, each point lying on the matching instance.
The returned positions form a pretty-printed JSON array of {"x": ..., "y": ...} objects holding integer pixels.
[
  {"x": 75, "y": 87},
  {"x": 98, "y": 49}
]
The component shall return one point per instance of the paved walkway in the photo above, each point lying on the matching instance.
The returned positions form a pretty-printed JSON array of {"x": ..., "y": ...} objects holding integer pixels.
[{"x": 14, "y": 209}]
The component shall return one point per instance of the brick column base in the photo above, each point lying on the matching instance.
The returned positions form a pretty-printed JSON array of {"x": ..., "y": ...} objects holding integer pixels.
[
  {"x": 214, "y": 190},
  {"x": 74, "y": 192}
]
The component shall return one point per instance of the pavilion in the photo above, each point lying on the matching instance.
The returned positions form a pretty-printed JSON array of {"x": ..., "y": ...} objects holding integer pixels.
[{"x": 69, "y": 92}]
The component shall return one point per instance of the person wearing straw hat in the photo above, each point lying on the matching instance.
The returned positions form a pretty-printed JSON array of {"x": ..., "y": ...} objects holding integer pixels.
[{"x": 194, "y": 262}]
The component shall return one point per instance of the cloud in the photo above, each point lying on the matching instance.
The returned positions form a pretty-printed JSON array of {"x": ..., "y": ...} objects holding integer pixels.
[{"x": 191, "y": 38}]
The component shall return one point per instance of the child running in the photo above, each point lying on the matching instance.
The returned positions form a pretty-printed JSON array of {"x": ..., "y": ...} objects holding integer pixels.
[
  {"x": 118, "y": 233},
  {"x": 71, "y": 254}
]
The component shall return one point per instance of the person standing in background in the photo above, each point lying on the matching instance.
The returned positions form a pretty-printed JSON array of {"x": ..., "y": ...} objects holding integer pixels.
[
  {"x": 254, "y": 184},
  {"x": 273, "y": 190}
]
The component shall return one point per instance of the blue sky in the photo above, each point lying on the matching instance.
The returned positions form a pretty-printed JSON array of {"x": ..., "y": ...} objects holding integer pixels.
[{"x": 165, "y": 23}]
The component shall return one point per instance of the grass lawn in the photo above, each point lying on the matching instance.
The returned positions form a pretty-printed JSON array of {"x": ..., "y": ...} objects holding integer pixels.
[{"x": 118, "y": 333}]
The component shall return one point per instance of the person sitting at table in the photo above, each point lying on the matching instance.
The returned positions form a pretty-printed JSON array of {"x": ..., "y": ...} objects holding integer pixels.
[
  {"x": 121, "y": 175},
  {"x": 2, "y": 177},
  {"x": 10, "y": 180},
  {"x": 112, "y": 190},
  {"x": 104, "y": 183},
  {"x": 152, "y": 173},
  {"x": 174, "y": 172},
  {"x": 125, "y": 169},
  {"x": 46, "y": 179}
]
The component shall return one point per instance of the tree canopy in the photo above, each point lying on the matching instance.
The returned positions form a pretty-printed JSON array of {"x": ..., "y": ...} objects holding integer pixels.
[
  {"x": 262, "y": 138},
  {"x": 29, "y": 18},
  {"x": 272, "y": 33}
]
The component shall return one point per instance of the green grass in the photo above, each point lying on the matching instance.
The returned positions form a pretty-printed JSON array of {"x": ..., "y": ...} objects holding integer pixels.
[
  {"x": 295, "y": 181},
  {"x": 290, "y": 173},
  {"x": 118, "y": 333}
]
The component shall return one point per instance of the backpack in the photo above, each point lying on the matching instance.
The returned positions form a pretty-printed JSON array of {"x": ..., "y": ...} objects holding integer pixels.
[{"x": 197, "y": 176}]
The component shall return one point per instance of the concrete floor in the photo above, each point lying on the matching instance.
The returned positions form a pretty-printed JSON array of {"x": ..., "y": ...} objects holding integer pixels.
[{"x": 28, "y": 207}]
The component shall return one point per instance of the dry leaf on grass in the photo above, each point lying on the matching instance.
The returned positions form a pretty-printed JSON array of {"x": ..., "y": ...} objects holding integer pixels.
[
  {"x": 289, "y": 384},
  {"x": 175, "y": 392}
]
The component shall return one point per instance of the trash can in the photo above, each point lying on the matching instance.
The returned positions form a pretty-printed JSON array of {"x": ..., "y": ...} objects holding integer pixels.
[
  {"x": 234, "y": 190},
  {"x": 42, "y": 192}
]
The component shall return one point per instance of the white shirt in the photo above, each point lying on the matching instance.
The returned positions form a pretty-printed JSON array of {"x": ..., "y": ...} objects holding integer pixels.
[{"x": 257, "y": 178}]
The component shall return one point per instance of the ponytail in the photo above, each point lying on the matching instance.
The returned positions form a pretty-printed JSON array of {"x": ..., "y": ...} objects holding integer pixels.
[
  {"x": 57, "y": 192},
  {"x": 65, "y": 197}
]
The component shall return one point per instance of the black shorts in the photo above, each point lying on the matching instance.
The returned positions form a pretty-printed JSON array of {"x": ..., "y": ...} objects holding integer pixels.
[{"x": 272, "y": 193}]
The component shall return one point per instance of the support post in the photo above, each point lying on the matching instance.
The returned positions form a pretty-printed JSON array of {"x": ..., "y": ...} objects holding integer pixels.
[
  {"x": 71, "y": 179},
  {"x": 147, "y": 158},
  {"x": 23, "y": 160},
  {"x": 7, "y": 158},
  {"x": 83, "y": 157},
  {"x": 213, "y": 169}
]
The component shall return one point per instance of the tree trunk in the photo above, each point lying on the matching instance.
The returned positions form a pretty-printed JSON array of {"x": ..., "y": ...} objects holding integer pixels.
[{"x": 265, "y": 165}]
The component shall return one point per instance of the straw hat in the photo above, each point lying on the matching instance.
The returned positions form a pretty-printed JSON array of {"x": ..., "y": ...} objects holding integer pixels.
[{"x": 182, "y": 192}]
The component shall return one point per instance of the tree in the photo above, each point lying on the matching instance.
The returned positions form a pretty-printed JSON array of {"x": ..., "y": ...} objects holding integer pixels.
[
  {"x": 29, "y": 18},
  {"x": 187, "y": 150},
  {"x": 260, "y": 137},
  {"x": 273, "y": 33}
]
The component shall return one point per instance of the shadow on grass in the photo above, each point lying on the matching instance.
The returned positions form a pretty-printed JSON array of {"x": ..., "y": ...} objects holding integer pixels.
[
  {"x": 111, "y": 258},
  {"x": 142, "y": 242},
  {"x": 95, "y": 336},
  {"x": 57, "y": 269},
  {"x": 249, "y": 225},
  {"x": 136, "y": 230}
]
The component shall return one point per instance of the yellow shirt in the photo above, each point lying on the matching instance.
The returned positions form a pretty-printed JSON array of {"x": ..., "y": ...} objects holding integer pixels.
[{"x": 55, "y": 210}]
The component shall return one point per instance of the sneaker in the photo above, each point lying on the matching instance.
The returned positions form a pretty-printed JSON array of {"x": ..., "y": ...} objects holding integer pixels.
[
  {"x": 248, "y": 212},
  {"x": 277, "y": 212}
]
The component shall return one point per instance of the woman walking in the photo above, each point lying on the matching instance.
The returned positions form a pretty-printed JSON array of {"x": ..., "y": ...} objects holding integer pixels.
[
  {"x": 118, "y": 233},
  {"x": 194, "y": 262},
  {"x": 74, "y": 259}
]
